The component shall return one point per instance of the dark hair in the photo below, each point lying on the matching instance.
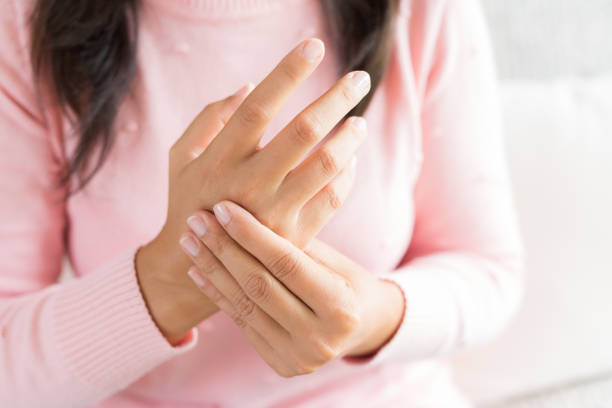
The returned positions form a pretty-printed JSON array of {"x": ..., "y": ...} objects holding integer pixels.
[{"x": 86, "y": 52}]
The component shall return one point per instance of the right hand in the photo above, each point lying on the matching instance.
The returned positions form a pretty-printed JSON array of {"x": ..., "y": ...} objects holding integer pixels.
[{"x": 293, "y": 199}]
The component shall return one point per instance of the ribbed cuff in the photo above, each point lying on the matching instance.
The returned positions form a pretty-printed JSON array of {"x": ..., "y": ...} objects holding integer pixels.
[
  {"x": 103, "y": 330},
  {"x": 429, "y": 319}
]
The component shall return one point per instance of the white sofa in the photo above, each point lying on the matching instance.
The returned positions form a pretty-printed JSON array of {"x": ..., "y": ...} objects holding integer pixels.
[
  {"x": 559, "y": 148},
  {"x": 554, "y": 60}
]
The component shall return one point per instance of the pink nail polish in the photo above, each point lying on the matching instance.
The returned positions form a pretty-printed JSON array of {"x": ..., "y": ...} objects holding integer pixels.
[
  {"x": 312, "y": 50},
  {"x": 222, "y": 214},
  {"x": 196, "y": 277},
  {"x": 190, "y": 245}
]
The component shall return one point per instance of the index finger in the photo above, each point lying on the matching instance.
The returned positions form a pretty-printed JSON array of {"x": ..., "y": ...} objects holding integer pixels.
[{"x": 243, "y": 131}]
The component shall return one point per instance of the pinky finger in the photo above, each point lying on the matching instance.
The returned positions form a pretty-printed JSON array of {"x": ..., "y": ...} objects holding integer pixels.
[
  {"x": 320, "y": 208},
  {"x": 260, "y": 344}
]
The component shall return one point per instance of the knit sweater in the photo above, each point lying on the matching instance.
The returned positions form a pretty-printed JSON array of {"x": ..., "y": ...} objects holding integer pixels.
[{"x": 431, "y": 209}]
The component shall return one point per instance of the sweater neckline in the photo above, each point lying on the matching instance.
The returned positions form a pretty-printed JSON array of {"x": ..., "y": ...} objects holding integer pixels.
[{"x": 218, "y": 9}]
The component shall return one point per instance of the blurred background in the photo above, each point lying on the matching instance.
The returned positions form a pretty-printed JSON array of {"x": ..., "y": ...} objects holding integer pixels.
[{"x": 555, "y": 64}]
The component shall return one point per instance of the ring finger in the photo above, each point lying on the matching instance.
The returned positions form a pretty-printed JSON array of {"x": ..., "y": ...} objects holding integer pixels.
[{"x": 322, "y": 166}]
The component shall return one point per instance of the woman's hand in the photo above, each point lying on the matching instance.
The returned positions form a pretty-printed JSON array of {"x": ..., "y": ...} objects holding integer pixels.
[
  {"x": 299, "y": 309},
  {"x": 219, "y": 157}
]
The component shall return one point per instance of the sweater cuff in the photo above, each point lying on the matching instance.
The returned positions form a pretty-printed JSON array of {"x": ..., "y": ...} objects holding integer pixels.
[
  {"x": 429, "y": 319},
  {"x": 103, "y": 329}
]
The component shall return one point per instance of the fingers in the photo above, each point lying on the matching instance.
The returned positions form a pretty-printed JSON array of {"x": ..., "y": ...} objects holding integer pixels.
[
  {"x": 207, "y": 125},
  {"x": 219, "y": 285},
  {"x": 244, "y": 129},
  {"x": 261, "y": 345},
  {"x": 315, "y": 214},
  {"x": 294, "y": 269},
  {"x": 308, "y": 128},
  {"x": 253, "y": 285},
  {"x": 322, "y": 166}
]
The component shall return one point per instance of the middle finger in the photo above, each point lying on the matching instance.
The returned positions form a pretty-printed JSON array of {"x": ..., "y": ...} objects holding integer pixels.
[
  {"x": 313, "y": 124},
  {"x": 243, "y": 131}
]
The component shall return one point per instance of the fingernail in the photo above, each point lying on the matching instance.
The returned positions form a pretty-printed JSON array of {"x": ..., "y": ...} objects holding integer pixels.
[
  {"x": 312, "y": 49},
  {"x": 353, "y": 162},
  {"x": 197, "y": 224},
  {"x": 221, "y": 213},
  {"x": 190, "y": 245},
  {"x": 360, "y": 80},
  {"x": 242, "y": 92},
  {"x": 360, "y": 123},
  {"x": 196, "y": 277}
]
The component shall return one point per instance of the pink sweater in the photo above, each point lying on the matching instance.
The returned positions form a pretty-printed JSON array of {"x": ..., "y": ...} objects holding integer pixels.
[{"x": 432, "y": 210}]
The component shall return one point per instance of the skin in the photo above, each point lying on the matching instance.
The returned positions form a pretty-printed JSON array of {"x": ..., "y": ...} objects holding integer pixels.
[
  {"x": 299, "y": 308},
  {"x": 220, "y": 151}
]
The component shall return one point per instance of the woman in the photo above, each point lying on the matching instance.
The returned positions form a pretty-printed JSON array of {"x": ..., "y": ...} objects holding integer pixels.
[{"x": 199, "y": 280}]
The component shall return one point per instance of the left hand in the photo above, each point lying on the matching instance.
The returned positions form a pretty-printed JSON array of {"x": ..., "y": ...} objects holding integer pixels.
[{"x": 299, "y": 309}]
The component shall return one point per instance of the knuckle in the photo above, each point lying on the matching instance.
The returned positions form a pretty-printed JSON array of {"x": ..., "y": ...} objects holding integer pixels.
[
  {"x": 251, "y": 193},
  {"x": 289, "y": 70},
  {"x": 216, "y": 243},
  {"x": 307, "y": 370},
  {"x": 328, "y": 162},
  {"x": 335, "y": 202},
  {"x": 206, "y": 263},
  {"x": 285, "y": 373},
  {"x": 257, "y": 287},
  {"x": 253, "y": 114},
  {"x": 238, "y": 320},
  {"x": 244, "y": 306},
  {"x": 284, "y": 266},
  {"x": 321, "y": 351},
  {"x": 217, "y": 113},
  {"x": 345, "y": 319},
  {"x": 304, "y": 368},
  {"x": 306, "y": 129},
  {"x": 214, "y": 295}
]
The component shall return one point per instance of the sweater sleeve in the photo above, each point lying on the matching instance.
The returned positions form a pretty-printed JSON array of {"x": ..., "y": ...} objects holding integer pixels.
[
  {"x": 61, "y": 345},
  {"x": 462, "y": 275}
]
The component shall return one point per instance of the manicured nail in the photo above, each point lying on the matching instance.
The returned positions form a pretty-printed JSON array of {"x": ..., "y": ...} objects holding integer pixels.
[
  {"x": 360, "y": 80},
  {"x": 242, "y": 92},
  {"x": 312, "y": 50},
  {"x": 190, "y": 245},
  {"x": 360, "y": 123},
  {"x": 196, "y": 277},
  {"x": 197, "y": 224},
  {"x": 239, "y": 96},
  {"x": 222, "y": 214}
]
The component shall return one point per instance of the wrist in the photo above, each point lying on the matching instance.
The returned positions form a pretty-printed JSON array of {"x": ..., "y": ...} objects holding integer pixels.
[
  {"x": 388, "y": 318},
  {"x": 174, "y": 302},
  {"x": 396, "y": 302}
]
